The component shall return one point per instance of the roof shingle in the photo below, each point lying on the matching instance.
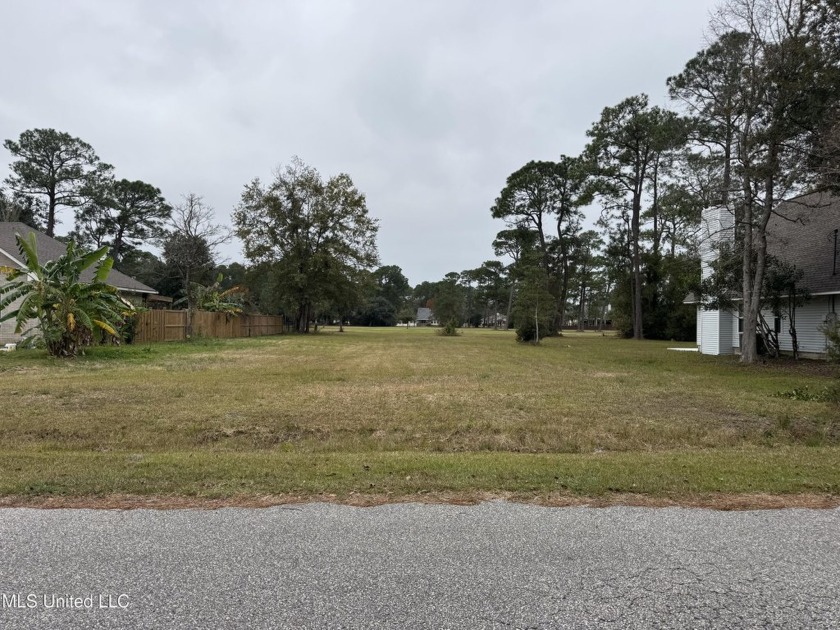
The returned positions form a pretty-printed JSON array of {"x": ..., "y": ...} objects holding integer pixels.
[
  {"x": 50, "y": 249},
  {"x": 803, "y": 232}
]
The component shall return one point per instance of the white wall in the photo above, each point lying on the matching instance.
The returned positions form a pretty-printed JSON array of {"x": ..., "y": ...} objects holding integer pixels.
[
  {"x": 7, "y": 328},
  {"x": 716, "y": 332},
  {"x": 809, "y": 318},
  {"x": 716, "y": 227},
  {"x": 715, "y": 328}
]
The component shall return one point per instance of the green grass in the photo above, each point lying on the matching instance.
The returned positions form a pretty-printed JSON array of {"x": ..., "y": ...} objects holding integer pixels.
[{"x": 397, "y": 412}]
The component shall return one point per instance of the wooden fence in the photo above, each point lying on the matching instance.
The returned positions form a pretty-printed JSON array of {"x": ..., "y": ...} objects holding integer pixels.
[{"x": 162, "y": 325}]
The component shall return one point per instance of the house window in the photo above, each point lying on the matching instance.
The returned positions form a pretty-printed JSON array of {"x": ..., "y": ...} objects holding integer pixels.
[{"x": 777, "y": 325}]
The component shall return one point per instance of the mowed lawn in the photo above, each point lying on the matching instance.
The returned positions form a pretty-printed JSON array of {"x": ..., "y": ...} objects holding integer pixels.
[{"x": 386, "y": 414}]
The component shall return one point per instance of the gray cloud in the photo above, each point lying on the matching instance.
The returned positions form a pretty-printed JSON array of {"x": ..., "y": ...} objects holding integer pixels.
[{"x": 427, "y": 105}]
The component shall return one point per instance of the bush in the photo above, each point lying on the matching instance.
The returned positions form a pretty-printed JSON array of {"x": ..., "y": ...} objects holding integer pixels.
[
  {"x": 71, "y": 314},
  {"x": 526, "y": 331},
  {"x": 450, "y": 329},
  {"x": 832, "y": 333}
]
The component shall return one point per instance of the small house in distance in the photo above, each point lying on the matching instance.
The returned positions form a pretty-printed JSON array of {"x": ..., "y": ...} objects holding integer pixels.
[
  {"x": 802, "y": 232},
  {"x": 425, "y": 317},
  {"x": 49, "y": 248}
]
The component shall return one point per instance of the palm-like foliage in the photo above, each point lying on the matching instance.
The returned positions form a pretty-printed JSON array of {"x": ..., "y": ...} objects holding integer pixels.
[
  {"x": 67, "y": 310},
  {"x": 213, "y": 298}
]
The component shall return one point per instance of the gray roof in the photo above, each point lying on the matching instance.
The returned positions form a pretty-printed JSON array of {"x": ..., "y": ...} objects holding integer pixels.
[
  {"x": 50, "y": 249},
  {"x": 802, "y": 232},
  {"x": 423, "y": 314}
]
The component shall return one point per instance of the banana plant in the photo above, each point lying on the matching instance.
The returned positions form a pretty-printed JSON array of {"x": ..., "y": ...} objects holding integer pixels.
[
  {"x": 67, "y": 313},
  {"x": 213, "y": 298}
]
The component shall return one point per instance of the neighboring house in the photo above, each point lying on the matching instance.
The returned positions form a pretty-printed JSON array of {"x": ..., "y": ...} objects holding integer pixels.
[
  {"x": 803, "y": 232},
  {"x": 496, "y": 320},
  {"x": 425, "y": 317},
  {"x": 49, "y": 249}
]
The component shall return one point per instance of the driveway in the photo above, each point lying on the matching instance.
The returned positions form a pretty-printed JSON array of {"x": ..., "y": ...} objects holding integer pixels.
[{"x": 495, "y": 565}]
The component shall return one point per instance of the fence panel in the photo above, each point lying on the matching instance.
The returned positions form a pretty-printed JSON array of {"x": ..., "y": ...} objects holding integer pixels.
[
  {"x": 259, "y": 325},
  {"x": 163, "y": 325}
]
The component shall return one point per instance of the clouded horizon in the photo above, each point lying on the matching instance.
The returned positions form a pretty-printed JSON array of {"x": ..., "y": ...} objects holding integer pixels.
[{"x": 428, "y": 106}]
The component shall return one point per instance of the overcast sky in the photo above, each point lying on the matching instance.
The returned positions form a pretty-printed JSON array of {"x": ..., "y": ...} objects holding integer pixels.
[{"x": 427, "y": 105}]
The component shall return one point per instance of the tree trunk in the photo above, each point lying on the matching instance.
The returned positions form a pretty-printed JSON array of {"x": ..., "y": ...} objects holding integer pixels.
[
  {"x": 188, "y": 328},
  {"x": 51, "y": 215},
  {"x": 510, "y": 304},
  {"x": 637, "y": 270},
  {"x": 581, "y": 307},
  {"x": 756, "y": 239},
  {"x": 657, "y": 237},
  {"x": 564, "y": 292},
  {"x": 116, "y": 248}
]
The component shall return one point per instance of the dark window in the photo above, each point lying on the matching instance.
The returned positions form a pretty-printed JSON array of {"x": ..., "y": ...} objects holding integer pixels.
[{"x": 777, "y": 325}]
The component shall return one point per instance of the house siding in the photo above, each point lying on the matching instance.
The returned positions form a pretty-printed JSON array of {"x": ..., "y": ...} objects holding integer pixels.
[
  {"x": 699, "y": 327},
  {"x": 809, "y": 319},
  {"x": 7, "y": 328},
  {"x": 802, "y": 234},
  {"x": 736, "y": 334},
  {"x": 716, "y": 332}
]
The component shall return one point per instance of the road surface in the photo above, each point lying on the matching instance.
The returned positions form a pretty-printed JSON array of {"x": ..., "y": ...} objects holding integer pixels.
[{"x": 495, "y": 565}]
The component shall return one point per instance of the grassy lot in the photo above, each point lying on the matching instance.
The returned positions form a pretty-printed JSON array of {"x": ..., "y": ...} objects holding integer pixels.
[{"x": 391, "y": 413}]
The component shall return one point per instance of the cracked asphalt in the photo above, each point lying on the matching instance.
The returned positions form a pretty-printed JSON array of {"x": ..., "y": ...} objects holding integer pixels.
[{"x": 495, "y": 565}]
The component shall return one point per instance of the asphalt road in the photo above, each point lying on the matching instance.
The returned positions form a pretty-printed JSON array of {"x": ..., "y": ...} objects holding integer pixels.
[{"x": 496, "y": 565}]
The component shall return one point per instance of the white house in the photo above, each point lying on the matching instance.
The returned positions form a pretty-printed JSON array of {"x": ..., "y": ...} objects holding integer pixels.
[
  {"x": 803, "y": 232},
  {"x": 50, "y": 249},
  {"x": 425, "y": 317}
]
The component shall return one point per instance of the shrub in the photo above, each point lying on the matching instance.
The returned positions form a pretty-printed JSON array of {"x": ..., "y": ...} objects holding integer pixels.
[
  {"x": 526, "y": 331},
  {"x": 70, "y": 313},
  {"x": 825, "y": 394},
  {"x": 832, "y": 333},
  {"x": 450, "y": 329}
]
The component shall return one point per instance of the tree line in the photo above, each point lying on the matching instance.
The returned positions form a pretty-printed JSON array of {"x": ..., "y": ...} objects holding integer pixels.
[{"x": 755, "y": 121}]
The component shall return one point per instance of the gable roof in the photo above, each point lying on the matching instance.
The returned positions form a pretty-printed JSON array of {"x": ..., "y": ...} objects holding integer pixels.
[
  {"x": 802, "y": 232},
  {"x": 50, "y": 249},
  {"x": 423, "y": 314}
]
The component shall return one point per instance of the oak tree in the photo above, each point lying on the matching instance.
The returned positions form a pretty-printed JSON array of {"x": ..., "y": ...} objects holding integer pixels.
[{"x": 315, "y": 234}]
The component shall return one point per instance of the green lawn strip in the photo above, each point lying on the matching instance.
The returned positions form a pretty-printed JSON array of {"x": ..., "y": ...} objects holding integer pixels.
[{"x": 219, "y": 474}]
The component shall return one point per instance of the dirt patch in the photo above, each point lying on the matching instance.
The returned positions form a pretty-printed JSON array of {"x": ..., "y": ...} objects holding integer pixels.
[{"x": 724, "y": 502}]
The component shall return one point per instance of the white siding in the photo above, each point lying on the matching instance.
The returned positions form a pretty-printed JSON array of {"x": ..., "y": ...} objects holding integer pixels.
[
  {"x": 726, "y": 332},
  {"x": 809, "y": 318},
  {"x": 716, "y": 227},
  {"x": 716, "y": 333},
  {"x": 708, "y": 324},
  {"x": 7, "y": 328},
  {"x": 699, "y": 326}
]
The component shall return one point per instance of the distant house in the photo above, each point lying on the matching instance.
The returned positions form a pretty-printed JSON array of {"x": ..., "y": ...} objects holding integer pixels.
[
  {"x": 49, "y": 249},
  {"x": 803, "y": 232},
  {"x": 425, "y": 317}
]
